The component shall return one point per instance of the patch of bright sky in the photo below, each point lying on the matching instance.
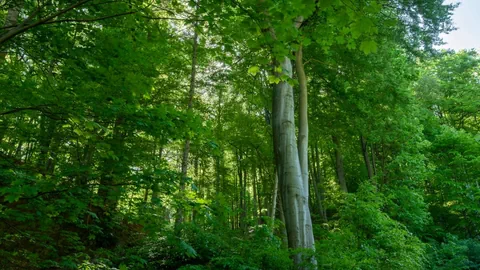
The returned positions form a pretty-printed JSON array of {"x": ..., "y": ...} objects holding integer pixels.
[{"x": 466, "y": 19}]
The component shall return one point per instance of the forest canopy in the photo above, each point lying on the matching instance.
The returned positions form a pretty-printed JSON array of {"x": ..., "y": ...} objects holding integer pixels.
[{"x": 237, "y": 134}]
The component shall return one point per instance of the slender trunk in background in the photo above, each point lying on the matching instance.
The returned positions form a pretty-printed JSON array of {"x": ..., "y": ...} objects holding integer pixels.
[
  {"x": 246, "y": 198},
  {"x": 259, "y": 196},
  {"x": 86, "y": 163},
  {"x": 155, "y": 186},
  {"x": 255, "y": 194},
  {"x": 339, "y": 164},
  {"x": 108, "y": 191},
  {"x": 366, "y": 158},
  {"x": 316, "y": 179},
  {"x": 374, "y": 166},
  {"x": 52, "y": 155},
  {"x": 47, "y": 129},
  {"x": 186, "y": 148},
  {"x": 18, "y": 150},
  {"x": 274, "y": 200},
  {"x": 195, "y": 167},
  {"x": 217, "y": 175},
  {"x": 384, "y": 178},
  {"x": 218, "y": 132},
  {"x": 321, "y": 179},
  {"x": 242, "y": 175}
]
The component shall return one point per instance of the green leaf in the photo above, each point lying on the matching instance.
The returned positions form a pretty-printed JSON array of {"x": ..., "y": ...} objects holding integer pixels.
[
  {"x": 368, "y": 46},
  {"x": 253, "y": 70},
  {"x": 273, "y": 79}
]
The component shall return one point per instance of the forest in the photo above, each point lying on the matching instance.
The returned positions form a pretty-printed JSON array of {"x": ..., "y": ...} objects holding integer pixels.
[{"x": 237, "y": 134}]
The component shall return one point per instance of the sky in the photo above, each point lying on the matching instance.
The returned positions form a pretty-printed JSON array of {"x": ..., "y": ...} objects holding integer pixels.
[{"x": 467, "y": 19}]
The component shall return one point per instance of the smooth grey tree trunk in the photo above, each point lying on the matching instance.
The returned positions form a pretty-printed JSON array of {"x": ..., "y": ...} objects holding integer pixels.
[{"x": 294, "y": 192}]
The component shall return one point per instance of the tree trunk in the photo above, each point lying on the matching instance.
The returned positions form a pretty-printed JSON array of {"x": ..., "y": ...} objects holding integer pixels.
[
  {"x": 255, "y": 195},
  {"x": 293, "y": 190},
  {"x": 108, "y": 191},
  {"x": 274, "y": 200},
  {"x": 47, "y": 129},
  {"x": 317, "y": 180},
  {"x": 303, "y": 119},
  {"x": 339, "y": 164},
  {"x": 374, "y": 166},
  {"x": 366, "y": 158},
  {"x": 155, "y": 186},
  {"x": 186, "y": 148}
]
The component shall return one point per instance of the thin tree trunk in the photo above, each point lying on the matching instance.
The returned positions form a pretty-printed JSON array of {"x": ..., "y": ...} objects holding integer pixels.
[
  {"x": 217, "y": 175},
  {"x": 274, "y": 200},
  {"x": 316, "y": 182},
  {"x": 303, "y": 119},
  {"x": 384, "y": 178},
  {"x": 47, "y": 128},
  {"x": 255, "y": 195},
  {"x": 186, "y": 148},
  {"x": 366, "y": 158},
  {"x": 321, "y": 178},
  {"x": 339, "y": 164},
  {"x": 155, "y": 186},
  {"x": 374, "y": 166},
  {"x": 108, "y": 191}
]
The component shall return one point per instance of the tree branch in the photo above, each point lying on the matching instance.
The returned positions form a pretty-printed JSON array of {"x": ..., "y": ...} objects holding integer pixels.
[
  {"x": 91, "y": 19},
  {"x": 24, "y": 26}
]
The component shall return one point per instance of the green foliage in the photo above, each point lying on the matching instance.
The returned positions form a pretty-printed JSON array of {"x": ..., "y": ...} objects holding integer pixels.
[
  {"x": 97, "y": 124},
  {"x": 199, "y": 248},
  {"x": 453, "y": 253},
  {"x": 367, "y": 238}
]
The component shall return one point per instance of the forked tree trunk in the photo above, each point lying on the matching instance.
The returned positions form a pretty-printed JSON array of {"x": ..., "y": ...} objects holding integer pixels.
[{"x": 290, "y": 166}]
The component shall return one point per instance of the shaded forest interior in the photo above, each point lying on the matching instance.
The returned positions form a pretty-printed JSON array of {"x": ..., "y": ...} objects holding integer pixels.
[{"x": 237, "y": 134}]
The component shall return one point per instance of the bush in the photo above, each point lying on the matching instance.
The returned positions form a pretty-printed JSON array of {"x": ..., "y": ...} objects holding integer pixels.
[{"x": 364, "y": 237}]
